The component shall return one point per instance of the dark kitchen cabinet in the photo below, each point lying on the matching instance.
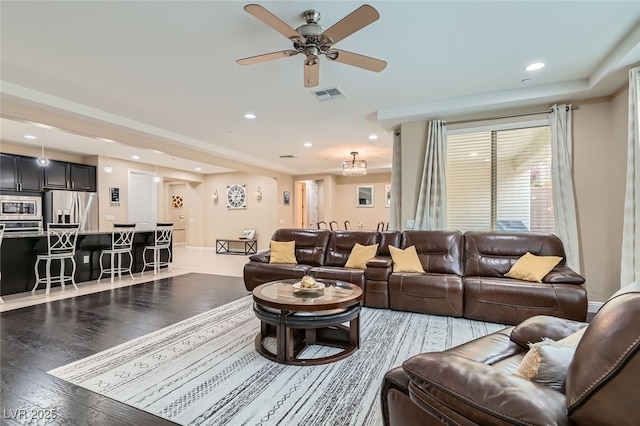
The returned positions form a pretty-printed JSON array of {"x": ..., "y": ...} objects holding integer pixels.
[
  {"x": 18, "y": 173},
  {"x": 61, "y": 175}
]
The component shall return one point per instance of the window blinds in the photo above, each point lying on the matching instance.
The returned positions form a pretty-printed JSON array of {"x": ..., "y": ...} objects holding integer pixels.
[{"x": 500, "y": 180}]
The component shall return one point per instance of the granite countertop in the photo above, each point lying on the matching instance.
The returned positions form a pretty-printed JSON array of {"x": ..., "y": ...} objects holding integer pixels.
[{"x": 37, "y": 234}]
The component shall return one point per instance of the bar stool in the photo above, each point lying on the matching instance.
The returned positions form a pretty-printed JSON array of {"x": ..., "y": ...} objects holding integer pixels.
[
  {"x": 1, "y": 235},
  {"x": 61, "y": 245},
  {"x": 162, "y": 241},
  {"x": 121, "y": 243}
]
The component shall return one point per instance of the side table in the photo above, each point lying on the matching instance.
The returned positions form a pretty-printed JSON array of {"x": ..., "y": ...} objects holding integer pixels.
[{"x": 223, "y": 246}]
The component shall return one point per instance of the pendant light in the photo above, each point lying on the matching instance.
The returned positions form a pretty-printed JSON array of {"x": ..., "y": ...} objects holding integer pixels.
[
  {"x": 157, "y": 178},
  {"x": 108, "y": 168},
  {"x": 42, "y": 160},
  {"x": 354, "y": 167}
]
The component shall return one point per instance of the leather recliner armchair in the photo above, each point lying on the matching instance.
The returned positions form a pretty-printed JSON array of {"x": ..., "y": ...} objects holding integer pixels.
[{"x": 473, "y": 384}]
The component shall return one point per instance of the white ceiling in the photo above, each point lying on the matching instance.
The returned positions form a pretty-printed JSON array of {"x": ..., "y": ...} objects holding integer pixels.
[{"x": 167, "y": 69}]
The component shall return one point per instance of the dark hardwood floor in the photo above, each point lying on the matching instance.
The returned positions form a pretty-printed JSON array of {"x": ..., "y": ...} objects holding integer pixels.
[{"x": 39, "y": 338}]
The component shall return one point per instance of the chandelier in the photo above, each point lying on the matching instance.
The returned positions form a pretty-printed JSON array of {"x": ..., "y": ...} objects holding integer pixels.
[{"x": 354, "y": 167}]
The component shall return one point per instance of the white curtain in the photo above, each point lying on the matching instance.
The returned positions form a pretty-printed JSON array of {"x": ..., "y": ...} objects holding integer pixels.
[
  {"x": 564, "y": 205},
  {"x": 431, "y": 211},
  {"x": 630, "y": 264},
  {"x": 395, "y": 213}
]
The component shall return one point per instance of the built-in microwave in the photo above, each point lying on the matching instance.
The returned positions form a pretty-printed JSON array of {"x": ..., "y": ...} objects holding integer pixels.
[{"x": 18, "y": 207}]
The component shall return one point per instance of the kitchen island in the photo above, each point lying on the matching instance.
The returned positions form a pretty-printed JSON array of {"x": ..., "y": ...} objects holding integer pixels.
[{"x": 19, "y": 251}]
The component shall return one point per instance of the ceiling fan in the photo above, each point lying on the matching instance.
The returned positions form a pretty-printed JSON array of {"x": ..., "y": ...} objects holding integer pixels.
[{"x": 312, "y": 40}]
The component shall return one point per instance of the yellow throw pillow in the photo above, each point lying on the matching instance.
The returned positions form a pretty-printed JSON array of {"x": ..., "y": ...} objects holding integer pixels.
[
  {"x": 405, "y": 260},
  {"x": 532, "y": 268},
  {"x": 283, "y": 252},
  {"x": 360, "y": 255}
]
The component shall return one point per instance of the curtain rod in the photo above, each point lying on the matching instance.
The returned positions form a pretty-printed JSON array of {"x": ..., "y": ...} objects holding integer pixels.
[{"x": 498, "y": 117}]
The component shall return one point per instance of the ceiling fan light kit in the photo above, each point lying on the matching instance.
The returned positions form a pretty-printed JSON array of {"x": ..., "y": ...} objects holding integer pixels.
[
  {"x": 312, "y": 40},
  {"x": 354, "y": 167}
]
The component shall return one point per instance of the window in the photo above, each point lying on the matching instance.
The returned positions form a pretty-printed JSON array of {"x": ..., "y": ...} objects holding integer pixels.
[{"x": 500, "y": 180}]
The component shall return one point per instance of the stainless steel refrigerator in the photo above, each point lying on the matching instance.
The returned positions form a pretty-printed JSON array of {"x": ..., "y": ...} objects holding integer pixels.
[{"x": 72, "y": 207}]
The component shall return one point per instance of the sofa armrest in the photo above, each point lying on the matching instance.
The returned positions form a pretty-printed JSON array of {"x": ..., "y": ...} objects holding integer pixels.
[
  {"x": 379, "y": 262},
  {"x": 562, "y": 274},
  {"x": 535, "y": 328},
  {"x": 262, "y": 256},
  {"x": 481, "y": 393},
  {"x": 378, "y": 269}
]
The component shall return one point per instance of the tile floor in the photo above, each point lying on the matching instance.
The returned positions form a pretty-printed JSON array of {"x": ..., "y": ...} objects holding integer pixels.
[{"x": 185, "y": 260}]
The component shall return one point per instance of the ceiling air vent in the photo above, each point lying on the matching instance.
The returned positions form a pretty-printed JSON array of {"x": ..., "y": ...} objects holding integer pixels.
[
  {"x": 288, "y": 156},
  {"x": 329, "y": 94}
]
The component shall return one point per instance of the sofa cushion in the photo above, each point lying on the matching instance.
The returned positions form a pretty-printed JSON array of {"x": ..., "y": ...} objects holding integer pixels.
[
  {"x": 481, "y": 393},
  {"x": 535, "y": 328},
  {"x": 405, "y": 260},
  {"x": 283, "y": 252},
  {"x": 353, "y": 276},
  {"x": 532, "y": 268},
  {"x": 511, "y": 301},
  {"x": 360, "y": 255},
  {"x": 311, "y": 244},
  {"x": 439, "y": 294},
  {"x": 491, "y": 254},
  {"x": 439, "y": 252},
  {"x": 342, "y": 242}
]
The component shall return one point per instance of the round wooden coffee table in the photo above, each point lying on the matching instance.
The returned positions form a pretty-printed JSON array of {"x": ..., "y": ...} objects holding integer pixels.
[{"x": 300, "y": 318}]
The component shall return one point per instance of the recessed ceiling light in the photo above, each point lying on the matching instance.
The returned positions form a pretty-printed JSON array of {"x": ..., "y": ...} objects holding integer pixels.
[
  {"x": 30, "y": 137},
  {"x": 534, "y": 66},
  {"x": 373, "y": 137},
  {"x": 135, "y": 157},
  {"x": 197, "y": 169},
  {"x": 307, "y": 144},
  {"x": 250, "y": 115}
]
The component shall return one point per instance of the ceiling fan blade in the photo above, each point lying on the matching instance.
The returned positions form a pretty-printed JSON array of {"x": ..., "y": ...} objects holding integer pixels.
[
  {"x": 356, "y": 60},
  {"x": 274, "y": 22},
  {"x": 311, "y": 73},
  {"x": 356, "y": 20},
  {"x": 266, "y": 57}
]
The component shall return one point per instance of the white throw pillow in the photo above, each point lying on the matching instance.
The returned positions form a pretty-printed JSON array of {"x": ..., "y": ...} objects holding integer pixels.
[{"x": 547, "y": 361}]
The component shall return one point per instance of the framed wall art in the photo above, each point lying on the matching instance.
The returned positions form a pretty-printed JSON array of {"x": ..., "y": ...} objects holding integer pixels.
[
  {"x": 364, "y": 196},
  {"x": 387, "y": 195}
]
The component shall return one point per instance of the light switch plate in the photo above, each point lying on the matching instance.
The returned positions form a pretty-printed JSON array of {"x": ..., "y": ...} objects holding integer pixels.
[
  {"x": 410, "y": 223},
  {"x": 111, "y": 217}
]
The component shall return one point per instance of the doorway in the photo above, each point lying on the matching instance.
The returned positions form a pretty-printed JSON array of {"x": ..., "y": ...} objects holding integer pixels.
[
  {"x": 312, "y": 203},
  {"x": 143, "y": 199},
  {"x": 307, "y": 215},
  {"x": 177, "y": 199}
]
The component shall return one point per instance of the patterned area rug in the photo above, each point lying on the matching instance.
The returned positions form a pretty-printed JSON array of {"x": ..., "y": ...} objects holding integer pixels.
[{"x": 206, "y": 371}]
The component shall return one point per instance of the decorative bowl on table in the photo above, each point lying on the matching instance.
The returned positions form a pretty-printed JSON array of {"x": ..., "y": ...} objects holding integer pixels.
[
  {"x": 298, "y": 287},
  {"x": 308, "y": 283}
]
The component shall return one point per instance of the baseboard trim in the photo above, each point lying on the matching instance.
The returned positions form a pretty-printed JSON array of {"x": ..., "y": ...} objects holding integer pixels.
[{"x": 594, "y": 307}]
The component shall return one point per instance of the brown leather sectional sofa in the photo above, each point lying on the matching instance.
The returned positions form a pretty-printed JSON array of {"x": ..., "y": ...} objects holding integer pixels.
[
  {"x": 464, "y": 273},
  {"x": 474, "y": 384}
]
